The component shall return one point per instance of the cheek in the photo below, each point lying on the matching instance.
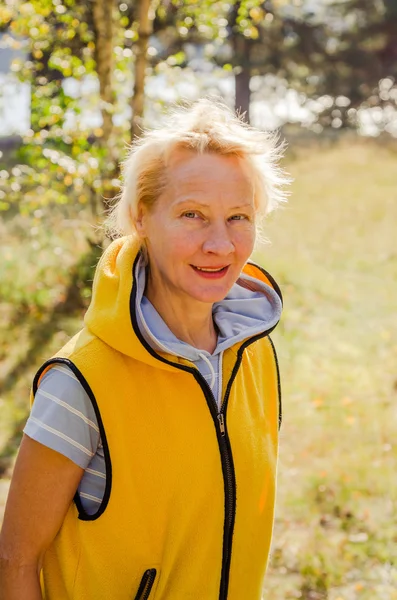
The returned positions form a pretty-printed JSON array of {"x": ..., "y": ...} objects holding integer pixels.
[
  {"x": 163, "y": 237},
  {"x": 183, "y": 243},
  {"x": 172, "y": 253},
  {"x": 244, "y": 242}
]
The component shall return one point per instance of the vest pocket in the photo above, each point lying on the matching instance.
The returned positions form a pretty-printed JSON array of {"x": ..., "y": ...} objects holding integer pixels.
[{"x": 145, "y": 587}]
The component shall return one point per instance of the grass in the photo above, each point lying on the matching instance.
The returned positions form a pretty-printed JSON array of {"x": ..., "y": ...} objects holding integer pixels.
[
  {"x": 334, "y": 253},
  {"x": 38, "y": 254}
]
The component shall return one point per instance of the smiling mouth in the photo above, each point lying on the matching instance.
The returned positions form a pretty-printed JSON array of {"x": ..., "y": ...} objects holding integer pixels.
[
  {"x": 213, "y": 272},
  {"x": 210, "y": 269}
]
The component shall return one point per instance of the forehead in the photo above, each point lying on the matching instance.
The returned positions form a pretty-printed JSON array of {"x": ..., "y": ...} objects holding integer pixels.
[{"x": 189, "y": 171}]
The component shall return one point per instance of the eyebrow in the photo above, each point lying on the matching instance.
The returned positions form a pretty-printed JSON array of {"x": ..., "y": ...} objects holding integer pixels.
[{"x": 203, "y": 204}]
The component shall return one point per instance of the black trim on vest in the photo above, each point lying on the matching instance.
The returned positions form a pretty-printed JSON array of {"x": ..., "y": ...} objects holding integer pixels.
[
  {"x": 83, "y": 515},
  {"x": 270, "y": 278},
  {"x": 276, "y": 289},
  {"x": 280, "y": 404},
  {"x": 225, "y": 449},
  {"x": 240, "y": 352}
]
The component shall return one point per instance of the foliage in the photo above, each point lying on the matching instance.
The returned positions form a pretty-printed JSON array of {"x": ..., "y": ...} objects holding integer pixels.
[
  {"x": 333, "y": 56},
  {"x": 60, "y": 159},
  {"x": 361, "y": 66},
  {"x": 249, "y": 36}
]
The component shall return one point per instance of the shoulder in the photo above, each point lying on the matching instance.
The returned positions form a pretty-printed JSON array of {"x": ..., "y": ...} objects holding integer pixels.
[{"x": 63, "y": 417}]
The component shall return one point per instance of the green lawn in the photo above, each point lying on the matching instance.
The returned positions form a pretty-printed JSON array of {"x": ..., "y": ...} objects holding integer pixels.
[{"x": 334, "y": 252}]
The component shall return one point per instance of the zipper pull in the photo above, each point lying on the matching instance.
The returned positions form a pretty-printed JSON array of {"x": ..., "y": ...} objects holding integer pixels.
[{"x": 221, "y": 423}]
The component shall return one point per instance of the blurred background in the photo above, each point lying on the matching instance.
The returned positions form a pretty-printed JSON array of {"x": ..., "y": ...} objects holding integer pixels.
[{"x": 78, "y": 81}]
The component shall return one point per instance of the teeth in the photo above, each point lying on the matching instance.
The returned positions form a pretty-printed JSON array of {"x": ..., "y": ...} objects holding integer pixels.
[{"x": 209, "y": 270}]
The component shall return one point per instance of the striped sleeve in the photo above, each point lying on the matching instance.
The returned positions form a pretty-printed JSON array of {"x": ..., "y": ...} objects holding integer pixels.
[{"x": 63, "y": 418}]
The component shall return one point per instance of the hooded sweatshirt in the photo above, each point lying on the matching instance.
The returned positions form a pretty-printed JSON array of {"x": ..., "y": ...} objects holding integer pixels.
[{"x": 186, "y": 451}]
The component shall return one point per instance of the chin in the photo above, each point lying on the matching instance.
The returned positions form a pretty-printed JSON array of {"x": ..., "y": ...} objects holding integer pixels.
[
  {"x": 208, "y": 292},
  {"x": 211, "y": 296}
]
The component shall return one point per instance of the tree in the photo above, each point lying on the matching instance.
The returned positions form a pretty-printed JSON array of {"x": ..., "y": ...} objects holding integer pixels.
[
  {"x": 361, "y": 65},
  {"x": 102, "y": 18},
  {"x": 67, "y": 43},
  {"x": 246, "y": 37},
  {"x": 274, "y": 38},
  {"x": 145, "y": 27}
]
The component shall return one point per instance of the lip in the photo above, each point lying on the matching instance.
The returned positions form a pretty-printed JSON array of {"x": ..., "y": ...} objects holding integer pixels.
[{"x": 211, "y": 274}]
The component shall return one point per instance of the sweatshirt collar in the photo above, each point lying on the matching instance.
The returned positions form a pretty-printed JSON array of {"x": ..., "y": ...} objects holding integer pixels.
[
  {"x": 253, "y": 306},
  {"x": 250, "y": 308}
]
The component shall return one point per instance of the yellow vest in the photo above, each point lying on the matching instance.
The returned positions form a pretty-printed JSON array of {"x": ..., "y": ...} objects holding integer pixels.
[{"x": 189, "y": 501}]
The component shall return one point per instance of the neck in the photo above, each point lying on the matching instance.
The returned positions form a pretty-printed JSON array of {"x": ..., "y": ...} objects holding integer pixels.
[{"x": 189, "y": 322}]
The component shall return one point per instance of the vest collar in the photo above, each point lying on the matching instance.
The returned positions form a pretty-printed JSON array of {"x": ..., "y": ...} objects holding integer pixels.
[{"x": 111, "y": 315}]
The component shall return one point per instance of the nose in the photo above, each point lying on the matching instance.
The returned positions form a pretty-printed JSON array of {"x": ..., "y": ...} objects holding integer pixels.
[{"x": 218, "y": 240}]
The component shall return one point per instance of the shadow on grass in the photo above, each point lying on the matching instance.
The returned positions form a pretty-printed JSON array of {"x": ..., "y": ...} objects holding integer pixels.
[{"x": 41, "y": 333}]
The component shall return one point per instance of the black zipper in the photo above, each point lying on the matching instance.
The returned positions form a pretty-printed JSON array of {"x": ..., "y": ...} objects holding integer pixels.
[
  {"x": 230, "y": 508},
  {"x": 219, "y": 418},
  {"x": 229, "y": 477},
  {"x": 145, "y": 587}
]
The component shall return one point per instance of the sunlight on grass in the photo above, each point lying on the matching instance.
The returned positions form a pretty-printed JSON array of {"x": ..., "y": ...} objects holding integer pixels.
[{"x": 334, "y": 252}]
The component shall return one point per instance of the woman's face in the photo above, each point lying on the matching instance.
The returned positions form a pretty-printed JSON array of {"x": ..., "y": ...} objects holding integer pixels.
[{"x": 201, "y": 230}]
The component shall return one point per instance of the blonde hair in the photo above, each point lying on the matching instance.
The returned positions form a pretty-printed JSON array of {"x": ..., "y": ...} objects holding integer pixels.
[{"x": 204, "y": 126}]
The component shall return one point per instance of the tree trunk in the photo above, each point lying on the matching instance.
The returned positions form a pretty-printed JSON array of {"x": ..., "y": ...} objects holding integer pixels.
[
  {"x": 102, "y": 17},
  {"x": 242, "y": 51},
  {"x": 243, "y": 92},
  {"x": 103, "y": 28},
  {"x": 241, "y": 60},
  {"x": 145, "y": 19}
]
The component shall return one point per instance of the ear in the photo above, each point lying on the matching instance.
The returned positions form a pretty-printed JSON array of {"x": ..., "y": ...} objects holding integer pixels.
[{"x": 140, "y": 221}]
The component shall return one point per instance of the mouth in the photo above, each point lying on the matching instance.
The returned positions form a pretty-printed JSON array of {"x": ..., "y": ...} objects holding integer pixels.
[{"x": 211, "y": 272}]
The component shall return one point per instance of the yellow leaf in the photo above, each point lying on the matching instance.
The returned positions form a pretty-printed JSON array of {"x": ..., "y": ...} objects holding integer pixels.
[{"x": 257, "y": 14}]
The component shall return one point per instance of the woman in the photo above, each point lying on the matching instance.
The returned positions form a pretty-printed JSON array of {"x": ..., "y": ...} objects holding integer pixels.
[{"x": 147, "y": 467}]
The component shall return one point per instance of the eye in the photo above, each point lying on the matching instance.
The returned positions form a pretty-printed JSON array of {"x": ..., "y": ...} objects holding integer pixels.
[
  {"x": 190, "y": 214},
  {"x": 238, "y": 217}
]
